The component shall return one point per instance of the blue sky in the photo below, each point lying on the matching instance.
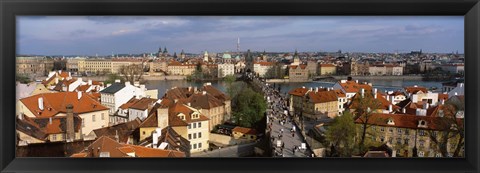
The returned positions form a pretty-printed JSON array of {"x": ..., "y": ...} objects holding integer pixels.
[{"x": 90, "y": 35}]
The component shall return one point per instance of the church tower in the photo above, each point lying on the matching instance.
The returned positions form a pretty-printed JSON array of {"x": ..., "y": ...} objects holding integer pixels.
[{"x": 205, "y": 56}]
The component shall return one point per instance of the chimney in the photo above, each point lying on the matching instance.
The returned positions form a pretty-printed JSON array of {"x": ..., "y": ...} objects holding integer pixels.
[
  {"x": 316, "y": 89},
  {"x": 303, "y": 87},
  {"x": 356, "y": 81},
  {"x": 56, "y": 80},
  {"x": 204, "y": 92},
  {"x": 415, "y": 86},
  {"x": 328, "y": 89},
  {"x": 370, "y": 84},
  {"x": 188, "y": 104},
  {"x": 390, "y": 108},
  {"x": 117, "y": 138},
  {"x": 79, "y": 95},
  {"x": 425, "y": 105},
  {"x": 89, "y": 82},
  {"x": 194, "y": 89},
  {"x": 404, "y": 110},
  {"x": 117, "y": 80},
  {"x": 456, "y": 93},
  {"x": 20, "y": 117},
  {"x": 363, "y": 92},
  {"x": 40, "y": 103},
  {"x": 136, "y": 83},
  {"x": 311, "y": 89},
  {"x": 375, "y": 93},
  {"x": 50, "y": 120},
  {"x": 70, "y": 123},
  {"x": 443, "y": 101},
  {"x": 388, "y": 97}
]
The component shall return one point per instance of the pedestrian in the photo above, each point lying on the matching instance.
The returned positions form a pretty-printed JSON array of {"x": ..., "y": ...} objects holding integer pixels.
[
  {"x": 293, "y": 151},
  {"x": 293, "y": 134}
]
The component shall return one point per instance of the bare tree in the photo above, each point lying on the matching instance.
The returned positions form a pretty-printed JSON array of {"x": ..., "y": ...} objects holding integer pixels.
[
  {"x": 451, "y": 129},
  {"x": 363, "y": 107},
  {"x": 132, "y": 72}
]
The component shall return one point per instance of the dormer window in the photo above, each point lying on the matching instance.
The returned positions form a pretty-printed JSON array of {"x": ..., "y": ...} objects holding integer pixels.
[
  {"x": 422, "y": 123},
  {"x": 390, "y": 121}
]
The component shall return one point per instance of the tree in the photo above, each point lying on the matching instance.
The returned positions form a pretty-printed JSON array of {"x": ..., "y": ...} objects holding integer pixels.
[
  {"x": 112, "y": 77},
  {"x": 363, "y": 108},
  {"x": 132, "y": 72},
  {"x": 451, "y": 129},
  {"x": 249, "y": 107},
  {"x": 23, "y": 78},
  {"x": 341, "y": 134}
]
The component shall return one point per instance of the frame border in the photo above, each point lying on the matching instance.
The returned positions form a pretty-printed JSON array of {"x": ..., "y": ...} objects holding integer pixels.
[{"x": 470, "y": 9}]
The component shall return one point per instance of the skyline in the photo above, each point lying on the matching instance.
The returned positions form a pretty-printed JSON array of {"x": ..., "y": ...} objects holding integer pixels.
[{"x": 104, "y": 35}]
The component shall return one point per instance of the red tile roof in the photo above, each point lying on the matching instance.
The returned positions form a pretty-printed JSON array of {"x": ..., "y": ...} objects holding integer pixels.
[
  {"x": 322, "y": 97},
  {"x": 245, "y": 130},
  {"x": 298, "y": 92},
  {"x": 55, "y": 103},
  {"x": 406, "y": 121},
  {"x": 353, "y": 87},
  {"x": 414, "y": 90}
]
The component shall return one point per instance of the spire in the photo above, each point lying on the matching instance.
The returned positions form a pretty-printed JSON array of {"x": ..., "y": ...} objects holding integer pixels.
[
  {"x": 295, "y": 54},
  {"x": 165, "y": 49},
  {"x": 174, "y": 54}
]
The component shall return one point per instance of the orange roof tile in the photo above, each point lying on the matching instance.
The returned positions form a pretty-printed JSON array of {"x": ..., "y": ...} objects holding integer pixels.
[
  {"x": 298, "y": 92},
  {"x": 353, "y": 87},
  {"x": 322, "y": 97},
  {"x": 414, "y": 90},
  {"x": 55, "y": 103},
  {"x": 245, "y": 130}
]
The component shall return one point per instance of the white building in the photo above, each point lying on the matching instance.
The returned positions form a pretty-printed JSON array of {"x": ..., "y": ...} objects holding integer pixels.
[
  {"x": 119, "y": 93},
  {"x": 225, "y": 69},
  {"x": 457, "y": 91},
  {"x": 261, "y": 68}
]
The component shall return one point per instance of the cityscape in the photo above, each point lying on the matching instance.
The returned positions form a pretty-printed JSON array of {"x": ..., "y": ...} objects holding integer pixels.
[{"x": 239, "y": 98}]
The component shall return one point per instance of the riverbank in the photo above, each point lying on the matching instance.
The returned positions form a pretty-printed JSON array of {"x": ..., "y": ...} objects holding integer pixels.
[
  {"x": 404, "y": 77},
  {"x": 103, "y": 78}
]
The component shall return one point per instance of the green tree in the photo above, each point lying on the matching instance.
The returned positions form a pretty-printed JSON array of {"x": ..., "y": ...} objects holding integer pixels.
[
  {"x": 249, "y": 108},
  {"x": 340, "y": 134},
  {"x": 23, "y": 78}
]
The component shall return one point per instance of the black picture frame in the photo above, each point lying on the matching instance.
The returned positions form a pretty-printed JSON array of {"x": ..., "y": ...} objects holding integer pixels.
[{"x": 11, "y": 8}]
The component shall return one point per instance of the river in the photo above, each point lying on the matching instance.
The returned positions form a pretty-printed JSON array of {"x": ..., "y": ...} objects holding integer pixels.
[{"x": 381, "y": 84}]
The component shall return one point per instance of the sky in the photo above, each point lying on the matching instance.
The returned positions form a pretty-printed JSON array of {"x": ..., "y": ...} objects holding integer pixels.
[{"x": 104, "y": 35}]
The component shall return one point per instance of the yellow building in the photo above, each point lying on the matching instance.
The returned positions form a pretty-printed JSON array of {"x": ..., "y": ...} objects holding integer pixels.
[
  {"x": 327, "y": 69},
  {"x": 320, "y": 104},
  {"x": 403, "y": 132},
  {"x": 244, "y": 133},
  {"x": 97, "y": 66},
  {"x": 182, "y": 69},
  {"x": 53, "y": 105}
]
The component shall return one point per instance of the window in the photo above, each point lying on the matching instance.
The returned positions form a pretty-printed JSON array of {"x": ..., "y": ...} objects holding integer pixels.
[
  {"x": 421, "y": 133},
  {"x": 194, "y": 136},
  {"x": 199, "y": 145},
  {"x": 421, "y": 154},
  {"x": 199, "y": 134},
  {"x": 54, "y": 137},
  {"x": 399, "y": 130},
  {"x": 390, "y": 130},
  {"x": 143, "y": 132},
  {"x": 407, "y": 132},
  {"x": 399, "y": 141},
  {"x": 422, "y": 143},
  {"x": 103, "y": 116},
  {"x": 390, "y": 140},
  {"x": 199, "y": 124},
  {"x": 189, "y": 126},
  {"x": 382, "y": 129},
  {"x": 189, "y": 136},
  {"x": 194, "y": 125},
  {"x": 93, "y": 118},
  {"x": 194, "y": 146}
]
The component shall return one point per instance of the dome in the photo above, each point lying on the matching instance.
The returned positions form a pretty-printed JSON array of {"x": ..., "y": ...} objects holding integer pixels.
[{"x": 226, "y": 56}]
